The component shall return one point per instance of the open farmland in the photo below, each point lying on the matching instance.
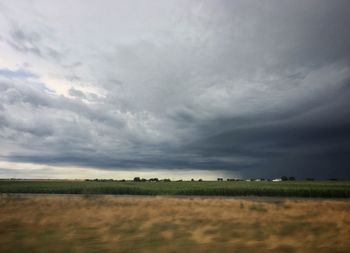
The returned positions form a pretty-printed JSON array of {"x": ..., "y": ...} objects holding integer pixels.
[
  {"x": 328, "y": 189},
  {"x": 168, "y": 224}
]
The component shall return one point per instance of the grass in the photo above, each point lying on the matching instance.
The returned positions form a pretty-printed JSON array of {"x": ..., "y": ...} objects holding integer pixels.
[
  {"x": 326, "y": 189},
  {"x": 168, "y": 224}
]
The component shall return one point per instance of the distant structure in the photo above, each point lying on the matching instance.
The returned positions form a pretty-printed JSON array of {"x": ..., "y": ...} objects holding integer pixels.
[{"x": 277, "y": 180}]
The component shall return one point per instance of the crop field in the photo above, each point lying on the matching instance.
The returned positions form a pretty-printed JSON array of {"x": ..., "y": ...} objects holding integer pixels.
[
  {"x": 327, "y": 189},
  {"x": 72, "y": 223}
]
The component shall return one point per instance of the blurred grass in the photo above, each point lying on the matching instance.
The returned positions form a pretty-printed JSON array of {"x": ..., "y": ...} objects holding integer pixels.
[
  {"x": 326, "y": 189},
  {"x": 165, "y": 225}
]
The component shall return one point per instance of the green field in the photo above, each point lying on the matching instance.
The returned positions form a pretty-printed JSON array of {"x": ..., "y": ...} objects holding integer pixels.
[{"x": 327, "y": 189}]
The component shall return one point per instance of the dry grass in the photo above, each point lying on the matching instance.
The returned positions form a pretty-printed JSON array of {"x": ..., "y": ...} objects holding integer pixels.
[{"x": 161, "y": 224}]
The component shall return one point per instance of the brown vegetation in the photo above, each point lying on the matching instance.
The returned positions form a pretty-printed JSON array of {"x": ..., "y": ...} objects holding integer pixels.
[{"x": 165, "y": 224}]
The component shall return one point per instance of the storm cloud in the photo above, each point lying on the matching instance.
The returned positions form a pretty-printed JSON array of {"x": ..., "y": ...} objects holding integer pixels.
[{"x": 248, "y": 88}]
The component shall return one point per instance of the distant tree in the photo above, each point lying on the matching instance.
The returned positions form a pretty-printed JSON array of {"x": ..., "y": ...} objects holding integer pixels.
[
  {"x": 143, "y": 180},
  {"x": 192, "y": 180},
  {"x": 200, "y": 180},
  {"x": 180, "y": 180},
  {"x": 220, "y": 179},
  {"x": 284, "y": 178},
  {"x": 333, "y": 179},
  {"x": 309, "y": 179},
  {"x": 123, "y": 180},
  {"x": 166, "y": 180},
  {"x": 137, "y": 179},
  {"x": 291, "y": 178}
]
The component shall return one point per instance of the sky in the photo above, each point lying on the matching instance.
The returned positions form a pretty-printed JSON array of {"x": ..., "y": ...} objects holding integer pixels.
[{"x": 175, "y": 89}]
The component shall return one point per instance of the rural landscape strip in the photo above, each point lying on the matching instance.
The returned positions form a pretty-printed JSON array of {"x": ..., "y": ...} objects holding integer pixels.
[{"x": 320, "y": 189}]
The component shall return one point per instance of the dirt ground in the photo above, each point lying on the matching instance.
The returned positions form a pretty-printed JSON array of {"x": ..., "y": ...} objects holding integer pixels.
[{"x": 170, "y": 224}]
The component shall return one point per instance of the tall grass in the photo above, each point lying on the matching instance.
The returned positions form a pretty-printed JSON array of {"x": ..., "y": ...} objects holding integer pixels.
[{"x": 90, "y": 224}]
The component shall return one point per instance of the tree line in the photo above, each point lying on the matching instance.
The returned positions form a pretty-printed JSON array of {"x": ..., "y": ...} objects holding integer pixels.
[{"x": 155, "y": 179}]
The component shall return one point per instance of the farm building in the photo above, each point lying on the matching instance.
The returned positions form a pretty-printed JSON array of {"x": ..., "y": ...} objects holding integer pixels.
[{"x": 277, "y": 180}]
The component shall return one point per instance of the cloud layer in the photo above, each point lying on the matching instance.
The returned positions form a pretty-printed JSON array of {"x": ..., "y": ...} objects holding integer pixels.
[{"x": 256, "y": 89}]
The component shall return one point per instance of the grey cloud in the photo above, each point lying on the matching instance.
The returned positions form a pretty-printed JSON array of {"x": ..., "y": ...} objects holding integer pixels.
[
  {"x": 25, "y": 42},
  {"x": 76, "y": 93},
  {"x": 17, "y": 74},
  {"x": 30, "y": 42},
  {"x": 259, "y": 88}
]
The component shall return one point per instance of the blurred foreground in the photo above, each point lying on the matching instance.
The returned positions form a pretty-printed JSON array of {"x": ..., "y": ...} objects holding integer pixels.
[{"x": 169, "y": 224}]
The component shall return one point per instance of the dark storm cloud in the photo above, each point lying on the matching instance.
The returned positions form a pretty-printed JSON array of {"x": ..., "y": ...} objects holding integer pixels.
[
  {"x": 261, "y": 88},
  {"x": 302, "y": 148}
]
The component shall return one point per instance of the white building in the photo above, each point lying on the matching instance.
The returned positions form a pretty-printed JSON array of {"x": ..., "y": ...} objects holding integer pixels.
[{"x": 277, "y": 180}]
